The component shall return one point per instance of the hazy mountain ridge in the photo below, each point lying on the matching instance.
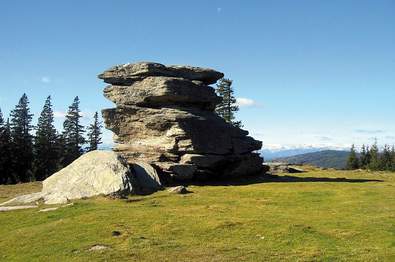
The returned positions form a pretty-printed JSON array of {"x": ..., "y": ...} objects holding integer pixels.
[
  {"x": 280, "y": 151},
  {"x": 270, "y": 154},
  {"x": 326, "y": 159}
]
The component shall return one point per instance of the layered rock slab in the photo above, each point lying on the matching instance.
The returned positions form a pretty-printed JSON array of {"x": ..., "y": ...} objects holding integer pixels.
[
  {"x": 163, "y": 91},
  {"x": 129, "y": 73},
  {"x": 165, "y": 116}
]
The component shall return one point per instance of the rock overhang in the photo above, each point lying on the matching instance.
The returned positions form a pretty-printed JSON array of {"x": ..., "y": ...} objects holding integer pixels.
[{"x": 129, "y": 73}]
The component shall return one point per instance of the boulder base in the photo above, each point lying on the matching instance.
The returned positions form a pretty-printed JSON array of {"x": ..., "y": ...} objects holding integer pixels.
[
  {"x": 146, "y": 178},
  {"x": 94, "y": 173}
]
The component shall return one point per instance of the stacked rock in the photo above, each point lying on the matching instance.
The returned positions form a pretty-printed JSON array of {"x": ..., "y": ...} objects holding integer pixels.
[{"x": 165, "y": 116}]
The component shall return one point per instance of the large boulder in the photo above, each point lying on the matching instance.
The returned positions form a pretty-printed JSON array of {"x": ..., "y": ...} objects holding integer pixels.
[
  {"x": 94, "y": 173},
  {"x": 165, "y": 116}
]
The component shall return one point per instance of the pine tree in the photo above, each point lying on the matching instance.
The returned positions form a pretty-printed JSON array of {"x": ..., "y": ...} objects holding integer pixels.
[
  {"x": 386, "y": 159},
  {"x": 374, "y": 163},
  {"x": 22, "y": 139},
  {"x": 364, "y": 158},
  {"x": 353, "y": 161},
  {"x": 60, "y": 146},
  {"x": 73, "y": 133},
  {"x": 94, "y": 133},
  {"x": 368, "y": 157},
  {"x": 46, "y": 155},
  {"x": 2, "y": 124},
  {"x": 3, "y": 142},
  {"x": 227, "y": 108},
  {"x": 7, "y": 174},
  {"x": 393, "y": 158}
]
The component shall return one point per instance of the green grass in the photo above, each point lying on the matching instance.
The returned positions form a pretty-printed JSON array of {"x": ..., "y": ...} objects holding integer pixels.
[{"x": 275, "y": 220}]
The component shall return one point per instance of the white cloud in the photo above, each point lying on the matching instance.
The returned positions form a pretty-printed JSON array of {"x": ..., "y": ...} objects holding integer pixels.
[
  {"x": 369, "y": 131},
  {"x": 46, "y": 79},
  {"x": 59, "y": 114},
  {"x": 245, "y": 102},
  {"x": 281, "y": 147},
  {"x": 84, "y": 114}
]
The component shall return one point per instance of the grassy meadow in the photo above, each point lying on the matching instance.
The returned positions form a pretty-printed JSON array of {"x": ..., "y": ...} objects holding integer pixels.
[{"x": 321, "y": 215}]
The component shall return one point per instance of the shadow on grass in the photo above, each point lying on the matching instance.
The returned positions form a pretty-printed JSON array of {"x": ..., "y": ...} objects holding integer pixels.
[{"x": 279, "y": 179}]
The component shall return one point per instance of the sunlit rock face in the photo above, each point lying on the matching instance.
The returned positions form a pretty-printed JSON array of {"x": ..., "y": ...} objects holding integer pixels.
[{"x": 165, "y": 116}]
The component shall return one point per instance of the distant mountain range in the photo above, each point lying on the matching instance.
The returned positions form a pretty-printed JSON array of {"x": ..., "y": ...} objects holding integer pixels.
[
  {"x": 270, "y": 154},
  {"x": 317, "y": 156},
  {"x": 325, "y": 158}
]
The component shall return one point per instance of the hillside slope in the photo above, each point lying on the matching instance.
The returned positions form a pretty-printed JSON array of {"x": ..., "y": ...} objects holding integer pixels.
[
  {"x": 270, "y": 154},
  {"x": 314, "y": 216},
  {"x": 326, "y": 159}
]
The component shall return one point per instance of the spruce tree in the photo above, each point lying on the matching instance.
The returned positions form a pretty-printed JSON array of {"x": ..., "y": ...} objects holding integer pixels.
[
  {"x": 2, "y": 124},
  {"x": 94, "y": 133},
  {"x": 60, "y": 146},
  {"x": 46, "y": 157},
  {"x": 374, "y": 163},
  {"x": 3, "y": 174},
  {"x": 368, "y": 157},
  {"x": 7, "y": 172},
  {"x": 22, "y": 139},
  {"x": 386, "y": 159},
  {"x": 393, "y": 158},
  {"x": 364, "y": 160},
  {"x": 353, "y": 161},
  {"x": 227, "y": 108},
  {"x": 5, "y": 151},
  {"x": 73, "y": 133}
]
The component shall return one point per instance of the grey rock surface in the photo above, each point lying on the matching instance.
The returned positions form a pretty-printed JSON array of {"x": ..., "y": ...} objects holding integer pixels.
[
  {"x": 183, "y": 171},
  {"x": 12, "y": 208},
  {"x": 165, "y": 117},
  {"x": 94, "y": 173},
  {"x": 161, "y": 91},
  {"x": 98, "y": 247},
  {"x": 129, "y": 73},
  {"x": 178, "y": 190},
  {"x": 147, "y": 179},
  {"x": 24, "y": 199},
  {"x": 277, "y": 167}
]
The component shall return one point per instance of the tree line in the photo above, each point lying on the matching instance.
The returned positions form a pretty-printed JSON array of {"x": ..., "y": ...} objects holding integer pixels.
[
  {"x": 372, "y": 158},
  {"x": 26, "y": 157}
]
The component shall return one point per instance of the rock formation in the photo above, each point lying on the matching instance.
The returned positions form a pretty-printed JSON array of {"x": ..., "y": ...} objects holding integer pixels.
[
  {"x": 94, "y": 173},
  {"x": 165, "y": 117}
]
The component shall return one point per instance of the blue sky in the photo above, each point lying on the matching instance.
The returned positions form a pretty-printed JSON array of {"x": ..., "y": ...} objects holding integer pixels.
[{"x": 318, "y": 73}]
